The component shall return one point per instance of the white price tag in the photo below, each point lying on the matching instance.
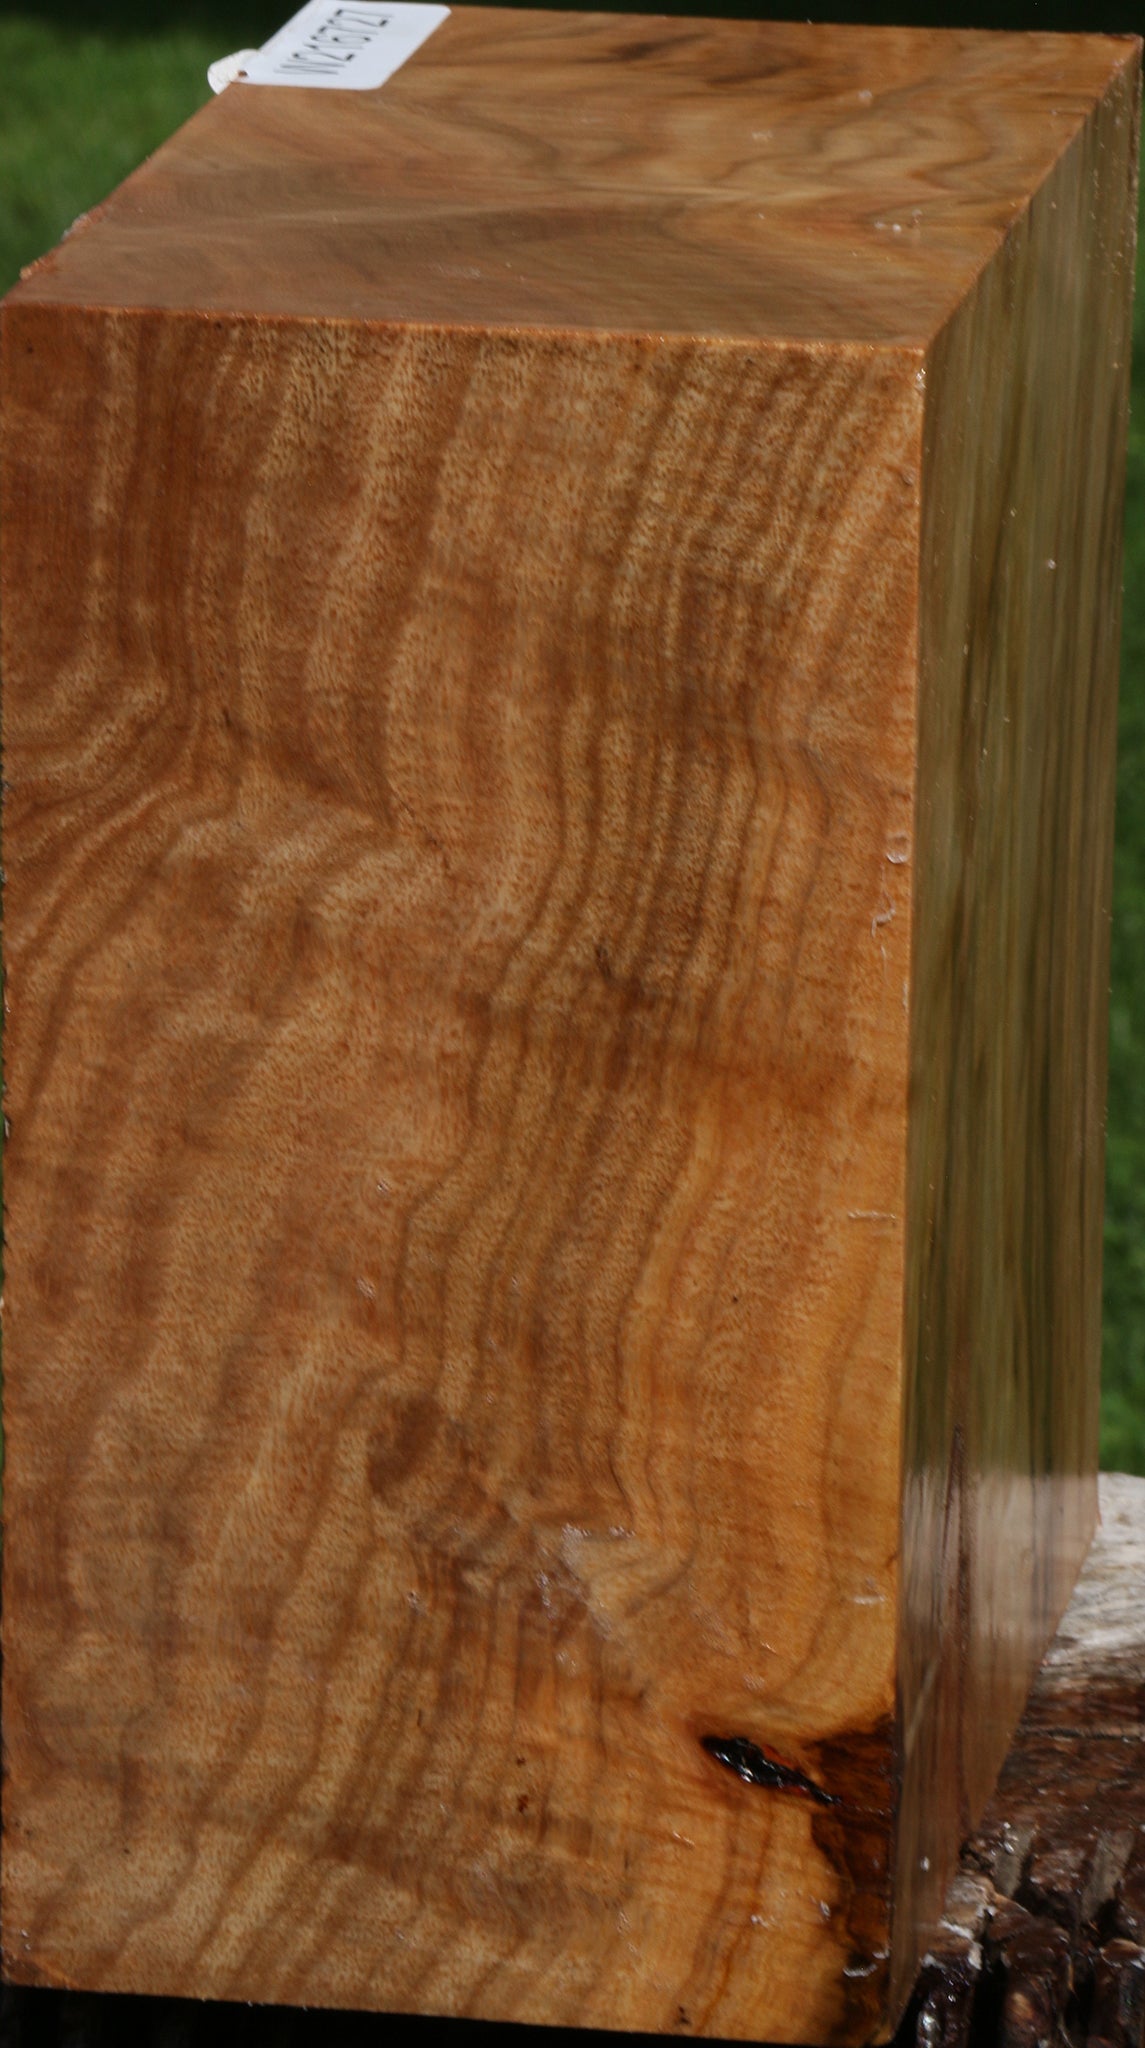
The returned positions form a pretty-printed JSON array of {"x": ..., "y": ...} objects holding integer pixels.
[{"x": 353, "y": 45}]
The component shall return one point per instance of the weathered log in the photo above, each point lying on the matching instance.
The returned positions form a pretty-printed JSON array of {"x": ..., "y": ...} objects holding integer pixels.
[{"x": 1043, "y": 1936}]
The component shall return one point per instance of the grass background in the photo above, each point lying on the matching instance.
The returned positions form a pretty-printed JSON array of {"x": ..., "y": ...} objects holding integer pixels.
[{"x": 81, "y": 104}]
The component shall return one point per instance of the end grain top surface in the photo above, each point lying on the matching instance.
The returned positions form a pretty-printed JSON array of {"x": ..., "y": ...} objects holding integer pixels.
[{"x": 747, "y": 180}]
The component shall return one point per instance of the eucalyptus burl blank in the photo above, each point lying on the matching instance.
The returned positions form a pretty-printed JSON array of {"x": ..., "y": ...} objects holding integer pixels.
[{"x": 559, "y": 638}]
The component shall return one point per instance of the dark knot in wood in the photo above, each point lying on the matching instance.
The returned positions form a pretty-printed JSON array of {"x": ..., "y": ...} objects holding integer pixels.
[{"x": 750, "y": 1763}]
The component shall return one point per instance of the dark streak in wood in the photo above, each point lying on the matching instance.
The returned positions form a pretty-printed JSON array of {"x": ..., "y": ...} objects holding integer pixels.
[{"x": 857, "y": 1838}]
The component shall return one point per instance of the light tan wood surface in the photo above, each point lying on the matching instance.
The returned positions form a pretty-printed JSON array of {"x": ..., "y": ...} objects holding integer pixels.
[
  {"x": 615, "y": 172},
  {"x": 490, "y": 991}
]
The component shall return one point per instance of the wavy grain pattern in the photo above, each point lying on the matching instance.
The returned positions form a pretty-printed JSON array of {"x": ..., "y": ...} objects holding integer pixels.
[
  {"x": 463, "y": 788},
  {"x": 613, "y": 172},
  {"x": 456, "y": 1047}
]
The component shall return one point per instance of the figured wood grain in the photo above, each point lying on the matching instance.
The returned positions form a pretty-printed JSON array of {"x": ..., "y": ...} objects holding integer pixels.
[
  {"x": 456, "y": 1033},
  {"x": 1055, "y": 1871},
  {"x": 476, "y": 925},
  {"x": 619, "y": 173}
]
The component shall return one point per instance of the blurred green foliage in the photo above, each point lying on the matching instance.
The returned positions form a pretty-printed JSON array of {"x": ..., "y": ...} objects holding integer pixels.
[{"x": 80, "y": 105}]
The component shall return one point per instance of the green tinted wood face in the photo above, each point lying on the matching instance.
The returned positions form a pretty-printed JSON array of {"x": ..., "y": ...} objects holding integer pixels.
[
  {"x": 508, "y": 921},
  {"x": 1020, "y": 611}
]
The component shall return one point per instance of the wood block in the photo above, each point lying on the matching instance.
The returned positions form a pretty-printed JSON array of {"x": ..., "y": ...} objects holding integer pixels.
[{"x": 559, "y": 635}]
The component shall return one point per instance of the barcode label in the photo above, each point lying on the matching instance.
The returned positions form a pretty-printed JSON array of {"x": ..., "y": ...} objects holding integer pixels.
[{"x": 353, "y": 47}]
